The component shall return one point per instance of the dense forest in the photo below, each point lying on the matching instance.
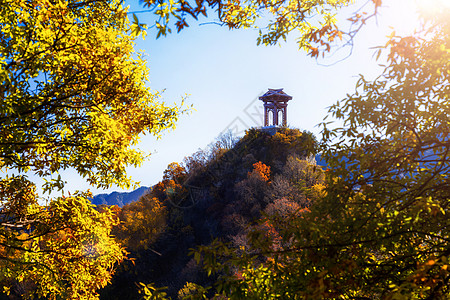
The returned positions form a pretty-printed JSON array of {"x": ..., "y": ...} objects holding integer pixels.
[{"x": 218, "y": 193}]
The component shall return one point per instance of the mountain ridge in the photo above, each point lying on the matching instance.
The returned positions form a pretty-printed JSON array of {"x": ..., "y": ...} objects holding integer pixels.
[{"x": 119, "y": 198}]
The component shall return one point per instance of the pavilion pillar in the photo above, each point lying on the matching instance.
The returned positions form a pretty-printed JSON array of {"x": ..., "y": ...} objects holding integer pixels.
[
  {"x": 266, "y": 115},
  {"x": 275, "y": 115}
]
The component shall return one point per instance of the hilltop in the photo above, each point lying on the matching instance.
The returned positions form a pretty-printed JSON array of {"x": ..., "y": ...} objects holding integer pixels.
[{"x": 217, "y": 193}]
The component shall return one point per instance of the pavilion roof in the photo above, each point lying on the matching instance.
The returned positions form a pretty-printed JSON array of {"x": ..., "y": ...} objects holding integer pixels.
[{"x": 275, "y": 95}]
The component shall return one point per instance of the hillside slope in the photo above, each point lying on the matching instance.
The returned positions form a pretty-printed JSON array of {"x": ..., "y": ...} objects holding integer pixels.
[{"x": 215, "y": 194}]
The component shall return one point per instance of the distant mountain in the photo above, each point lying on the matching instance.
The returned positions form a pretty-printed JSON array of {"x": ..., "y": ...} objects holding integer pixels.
[{"x": 119, "y": 198}]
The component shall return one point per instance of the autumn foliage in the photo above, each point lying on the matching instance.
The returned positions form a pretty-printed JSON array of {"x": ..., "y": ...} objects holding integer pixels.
[
  {"x": 260, "y": 170},
  {"x": 68, "y": 238},
  {"x": 73, "y": 96},
  {"x": 220, "y": 192}
]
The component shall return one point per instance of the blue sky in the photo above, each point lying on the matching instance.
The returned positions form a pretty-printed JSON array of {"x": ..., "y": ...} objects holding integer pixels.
[{"x": 224, "y": 72}]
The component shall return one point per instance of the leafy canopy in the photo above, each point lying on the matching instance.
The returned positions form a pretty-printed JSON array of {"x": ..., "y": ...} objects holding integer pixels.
[
  {"x": 313, "y": 21},
  {"x": 389, "y": 168},
  {"x": 73, "y": 91},
  {"x": 63, "y": 249},
  {"x": 73, "y": 95}
]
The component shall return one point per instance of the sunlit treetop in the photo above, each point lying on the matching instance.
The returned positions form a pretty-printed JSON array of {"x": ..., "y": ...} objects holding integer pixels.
[{"x": 73, "y": 90}]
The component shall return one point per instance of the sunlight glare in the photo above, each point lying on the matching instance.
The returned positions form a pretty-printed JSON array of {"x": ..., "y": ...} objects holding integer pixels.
[
  {"x": 431, "y": 8},
  {"x": 406, "y": 16}
]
